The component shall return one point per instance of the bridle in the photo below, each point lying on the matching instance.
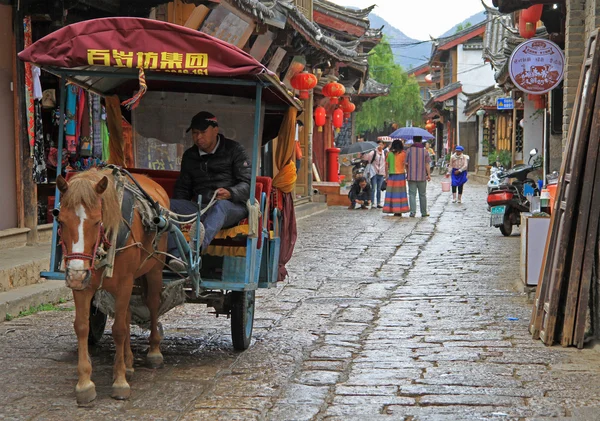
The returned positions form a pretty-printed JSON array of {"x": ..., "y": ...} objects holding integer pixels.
[{"x": 100, "y": 240}]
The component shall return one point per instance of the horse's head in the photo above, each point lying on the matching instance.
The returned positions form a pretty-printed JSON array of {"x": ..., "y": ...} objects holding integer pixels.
[{"x": 81, "y": 225}]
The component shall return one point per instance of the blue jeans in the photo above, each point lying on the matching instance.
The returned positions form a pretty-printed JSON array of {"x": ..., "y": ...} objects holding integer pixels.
[
  {"x": 421, "y": 186},
  {"x": 223, "y": 214},
  {"x": 376, "y": 183}
]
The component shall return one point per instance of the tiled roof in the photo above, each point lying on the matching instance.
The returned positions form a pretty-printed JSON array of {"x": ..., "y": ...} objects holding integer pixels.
[
  {"x": 438, "y": 95},
  {"x": 501, "y": 39},
  {"x": 482, "y": 99},
  {"x": 313, "y": 33},
  {"x": 261, "y": 10},
  {"x": 357, "y": 16},
  {"x": 418, "y": 69},
  {"x": 374, "y": 88}
]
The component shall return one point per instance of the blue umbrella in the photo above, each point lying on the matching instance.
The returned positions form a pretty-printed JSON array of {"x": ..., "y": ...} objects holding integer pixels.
[{"x": 407, "y": 133}]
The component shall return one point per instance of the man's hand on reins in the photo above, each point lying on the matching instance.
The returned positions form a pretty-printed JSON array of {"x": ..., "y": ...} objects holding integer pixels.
[{"x": 223, "y": 194}]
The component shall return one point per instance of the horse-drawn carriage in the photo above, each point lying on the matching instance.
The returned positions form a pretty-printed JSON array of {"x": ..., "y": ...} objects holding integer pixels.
[{"x": 111, "y": 226}]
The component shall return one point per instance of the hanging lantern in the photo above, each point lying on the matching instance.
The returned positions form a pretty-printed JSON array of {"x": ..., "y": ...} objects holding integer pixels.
[
  {"x": 347, "y": 107},
  {"x": 320, "y": 117},
  {"x": 338, "y": 119},
  {"x": 429, "y": 78},
  {"x": 528, "y": 20},
  {"x": 333, "y": 91},
  {"x": 304, "y": 82}
]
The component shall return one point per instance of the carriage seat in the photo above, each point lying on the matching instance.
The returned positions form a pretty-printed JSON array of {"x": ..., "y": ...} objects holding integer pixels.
[{"x": 228, "y": 241}]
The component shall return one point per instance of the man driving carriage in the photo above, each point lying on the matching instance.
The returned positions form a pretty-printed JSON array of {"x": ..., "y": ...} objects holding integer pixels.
[{"x": 214, "y": 164}]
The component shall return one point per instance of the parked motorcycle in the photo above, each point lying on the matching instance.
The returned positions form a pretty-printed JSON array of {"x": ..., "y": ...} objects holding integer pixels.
[
  {"x": 358, "y": 168},
  {"x": 507, "y": 201}
]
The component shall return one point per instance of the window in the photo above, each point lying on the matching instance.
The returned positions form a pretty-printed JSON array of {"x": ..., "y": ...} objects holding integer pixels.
[{"x": 306, "y": 7}]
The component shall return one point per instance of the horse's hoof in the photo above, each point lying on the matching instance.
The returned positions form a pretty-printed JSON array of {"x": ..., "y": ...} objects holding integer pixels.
[
  {"x": 155, "y": 360},
  {"x": 121, "y": 393},
  {"x": 129, "y": 372},
  {"x": 86, "y": 395}
]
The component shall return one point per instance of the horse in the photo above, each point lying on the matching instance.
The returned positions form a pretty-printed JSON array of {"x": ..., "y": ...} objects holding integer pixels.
[{"x": 89, "y": 213}]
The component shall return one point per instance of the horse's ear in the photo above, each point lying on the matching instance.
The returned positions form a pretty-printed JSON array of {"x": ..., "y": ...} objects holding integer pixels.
[
  {"x": 62, "y": 184},
  {"x": 102, "y": 185}
]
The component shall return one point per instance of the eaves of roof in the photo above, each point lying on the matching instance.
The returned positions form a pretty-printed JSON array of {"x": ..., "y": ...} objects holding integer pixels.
[
  {"x": 419, "y": 70},
  {"x": 255, "y": 8},
  {"x": 359, "y": 14},
  {"x": 485, "y": 98},
  {"x": 314, "y": 35},
  {"x": 374, "y": 89},
  {"x": 447, "y": 92}
]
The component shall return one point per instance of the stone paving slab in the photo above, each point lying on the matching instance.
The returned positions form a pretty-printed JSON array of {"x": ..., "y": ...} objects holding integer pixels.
[{"x": 381, "y": 318}]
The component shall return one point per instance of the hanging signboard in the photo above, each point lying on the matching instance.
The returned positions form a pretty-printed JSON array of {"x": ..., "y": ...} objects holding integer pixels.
[
  {"x": 537, "y": 66},
  {"x": 505, "y": 104}
]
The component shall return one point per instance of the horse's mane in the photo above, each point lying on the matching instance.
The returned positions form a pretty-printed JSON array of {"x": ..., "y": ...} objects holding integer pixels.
[{"x": 81, "y": 192}]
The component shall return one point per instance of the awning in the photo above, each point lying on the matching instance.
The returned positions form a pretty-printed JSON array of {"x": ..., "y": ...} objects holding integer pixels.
[{"x": 145, "y": 43}]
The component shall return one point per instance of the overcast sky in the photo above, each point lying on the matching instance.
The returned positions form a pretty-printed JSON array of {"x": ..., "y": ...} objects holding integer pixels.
[{"x": 420, "y": 18}]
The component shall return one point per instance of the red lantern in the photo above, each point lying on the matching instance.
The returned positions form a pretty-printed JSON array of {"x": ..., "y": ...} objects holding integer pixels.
[
  {"x": 429, "y": 78},
  {"x": 333, "y": 91},
  {"x": 304, "y": 82},
  {"x": 338, "y": 119},
  {"x": 528, "y": 20},
  {"x": 320, "y": 117},
  {"x": 347, "y": 107}
]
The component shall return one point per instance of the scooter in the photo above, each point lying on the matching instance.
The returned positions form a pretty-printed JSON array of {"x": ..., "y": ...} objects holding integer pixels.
[
  {"x": 507, "y": 201},
  {"x": 358, "y": 168}
]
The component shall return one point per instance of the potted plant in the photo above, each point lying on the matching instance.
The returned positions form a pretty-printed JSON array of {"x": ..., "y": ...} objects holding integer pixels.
[{"x": 505, "y": 158}]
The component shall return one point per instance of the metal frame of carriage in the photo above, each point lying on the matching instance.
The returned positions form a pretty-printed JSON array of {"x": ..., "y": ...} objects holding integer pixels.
[{"x": 233, "y": 294}]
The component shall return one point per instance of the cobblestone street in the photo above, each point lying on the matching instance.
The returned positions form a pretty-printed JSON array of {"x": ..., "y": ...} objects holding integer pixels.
[{"x": 381, "y": 318}]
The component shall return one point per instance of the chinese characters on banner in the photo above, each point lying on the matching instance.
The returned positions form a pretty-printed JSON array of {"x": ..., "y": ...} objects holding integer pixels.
[
  {"x": 537, "y": 66},
  {"x": 188, "y": 63}
]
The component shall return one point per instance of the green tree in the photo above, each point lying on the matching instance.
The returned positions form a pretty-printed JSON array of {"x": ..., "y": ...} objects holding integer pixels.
[{"x": 404, "y": 101}]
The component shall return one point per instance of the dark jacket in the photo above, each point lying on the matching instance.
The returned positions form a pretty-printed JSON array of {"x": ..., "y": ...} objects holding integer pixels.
[
  {"x": 361, "y": 194},
  {"x": 229, "y": 167}
]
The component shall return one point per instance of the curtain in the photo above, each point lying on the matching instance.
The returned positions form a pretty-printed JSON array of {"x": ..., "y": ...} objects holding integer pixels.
[
  {"x": 115, "y": 128},
  {"x": 285, "y": 181}
]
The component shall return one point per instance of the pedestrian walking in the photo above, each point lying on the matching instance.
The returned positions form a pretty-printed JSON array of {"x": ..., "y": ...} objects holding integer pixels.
[
  {"x": 375, "y": 170},
  {"x": 458, "y": 169},
  {"x": 360, "y": 194},
  {"x": 418, "y": 174},
  {"x": 396, "y": 201}
]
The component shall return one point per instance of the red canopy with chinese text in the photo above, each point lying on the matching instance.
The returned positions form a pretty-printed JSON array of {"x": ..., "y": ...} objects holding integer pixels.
[{"x": 135, "y": 42}]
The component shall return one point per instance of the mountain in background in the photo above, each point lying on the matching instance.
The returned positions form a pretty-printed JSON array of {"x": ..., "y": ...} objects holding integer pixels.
[{"x": 409, "y": 52}]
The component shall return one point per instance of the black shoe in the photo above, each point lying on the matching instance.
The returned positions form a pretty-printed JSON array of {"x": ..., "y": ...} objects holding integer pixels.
[
  {"x": 177, "y": 265},
  {"x": 379, "y": 206}
]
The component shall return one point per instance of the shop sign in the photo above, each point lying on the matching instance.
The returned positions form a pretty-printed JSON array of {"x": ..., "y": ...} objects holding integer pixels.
[
  {"x": 505, "y": 104},
  {"x": 537, "y": 66}
]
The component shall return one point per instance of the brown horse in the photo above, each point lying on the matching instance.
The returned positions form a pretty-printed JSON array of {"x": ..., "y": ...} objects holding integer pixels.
[{"x": 89, "y": 213}]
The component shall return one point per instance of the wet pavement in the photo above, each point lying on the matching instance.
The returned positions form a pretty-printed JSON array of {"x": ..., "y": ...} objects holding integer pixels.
[{"x": 382, "y": 318}]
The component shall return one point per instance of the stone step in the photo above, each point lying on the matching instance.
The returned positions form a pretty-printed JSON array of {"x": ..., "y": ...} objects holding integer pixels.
[
  {"x": 21, "y": 266},
  {"x": 308, "y": 209}
]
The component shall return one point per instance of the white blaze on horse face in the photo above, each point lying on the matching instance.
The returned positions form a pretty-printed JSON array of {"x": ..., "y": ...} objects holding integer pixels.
[{"x": 78, "y": 247}]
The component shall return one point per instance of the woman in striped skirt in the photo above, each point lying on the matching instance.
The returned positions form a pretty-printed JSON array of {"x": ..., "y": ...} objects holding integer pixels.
[{"x": 396, "y": 200}]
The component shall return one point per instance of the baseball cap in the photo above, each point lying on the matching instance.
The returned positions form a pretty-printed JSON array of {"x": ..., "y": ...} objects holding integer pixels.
[{"x": 202, "y": 121}]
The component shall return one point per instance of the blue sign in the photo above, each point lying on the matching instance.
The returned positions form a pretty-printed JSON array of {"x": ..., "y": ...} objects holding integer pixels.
[{"x": 505, "y": 104}]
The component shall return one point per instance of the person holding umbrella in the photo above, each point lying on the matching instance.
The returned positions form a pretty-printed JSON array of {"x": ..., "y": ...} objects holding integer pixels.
[
  {"x": 418, "y": 174},
  {"x": 458, "y": 168},
  {"x": 375, "y": 172}
]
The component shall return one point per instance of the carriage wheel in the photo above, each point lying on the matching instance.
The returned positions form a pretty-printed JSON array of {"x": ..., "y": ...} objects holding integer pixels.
[
  {"x": 242, "y": 318},
  {"x": 97, "y": 325}
]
